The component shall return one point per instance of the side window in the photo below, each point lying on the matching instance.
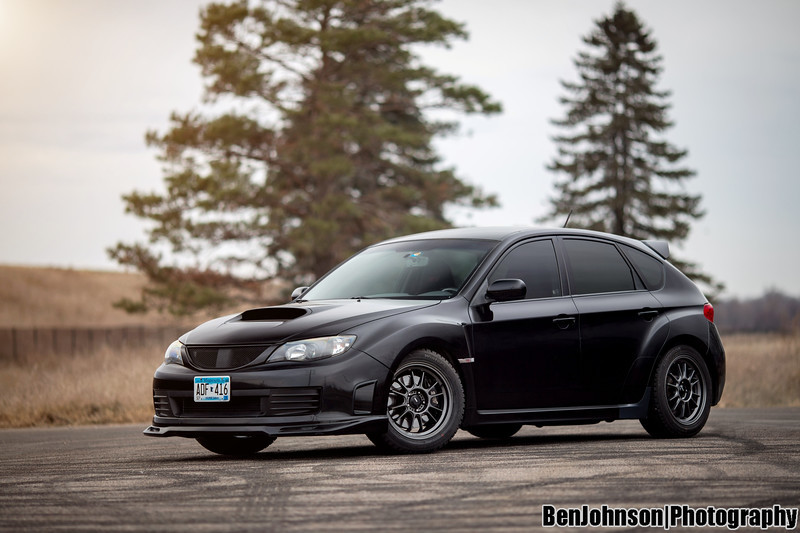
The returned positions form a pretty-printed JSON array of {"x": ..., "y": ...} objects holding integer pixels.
[
  {"x": 650, "y": 268},
  {"x": 535, "y": 264},
  {"x": 597, "y": 267}
]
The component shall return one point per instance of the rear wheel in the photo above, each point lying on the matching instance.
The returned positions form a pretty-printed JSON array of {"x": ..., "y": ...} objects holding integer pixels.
[
  {"x": 235, "y": 444},
  {"x": 681, "y": 392},
  {"x": 425, "y": 405},
  {"x": 495, "y": 431}
]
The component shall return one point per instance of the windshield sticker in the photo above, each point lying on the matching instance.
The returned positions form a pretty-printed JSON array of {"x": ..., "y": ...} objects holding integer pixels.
[{"x": 415, "y": 259}]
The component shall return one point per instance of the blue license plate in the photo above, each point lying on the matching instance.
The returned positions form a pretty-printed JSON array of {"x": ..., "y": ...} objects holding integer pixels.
[{"x": 212, "y": 388}]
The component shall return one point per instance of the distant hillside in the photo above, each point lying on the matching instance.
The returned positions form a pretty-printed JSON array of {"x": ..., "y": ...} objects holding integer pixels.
[
  {"x": 56, "y": 297},
  {"x": 63, "y": 297}
]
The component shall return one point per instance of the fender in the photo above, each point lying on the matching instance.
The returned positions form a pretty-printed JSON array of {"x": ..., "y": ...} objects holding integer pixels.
[
  {"x": 388, "y": 341},
  {"x": 685, "y": 326},
  {"x": 638, "y": 378}
]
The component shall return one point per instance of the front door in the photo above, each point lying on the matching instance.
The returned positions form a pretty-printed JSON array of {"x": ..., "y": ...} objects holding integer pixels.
[{"x": 527, "y": 352}]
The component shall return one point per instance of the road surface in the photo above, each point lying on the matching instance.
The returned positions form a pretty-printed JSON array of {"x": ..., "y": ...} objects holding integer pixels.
[{"x": 113, "y": 478}]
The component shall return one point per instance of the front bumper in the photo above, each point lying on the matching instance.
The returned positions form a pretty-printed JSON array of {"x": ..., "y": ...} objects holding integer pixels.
[
  {"x": 359, "y": 424},
  {"x": 335, "y": 396}
]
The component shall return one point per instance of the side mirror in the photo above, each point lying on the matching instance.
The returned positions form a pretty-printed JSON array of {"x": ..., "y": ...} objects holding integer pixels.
[
  {"x": 298, "y": 292},
  {"x": 506, "y": 290}
]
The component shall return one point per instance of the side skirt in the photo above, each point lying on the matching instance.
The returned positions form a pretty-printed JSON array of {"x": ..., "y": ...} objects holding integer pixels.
[{"x": 560, "y": 415}]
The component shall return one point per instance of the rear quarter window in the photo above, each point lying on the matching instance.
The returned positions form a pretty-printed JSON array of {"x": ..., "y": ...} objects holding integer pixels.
[{"x": 649, "y": 268}]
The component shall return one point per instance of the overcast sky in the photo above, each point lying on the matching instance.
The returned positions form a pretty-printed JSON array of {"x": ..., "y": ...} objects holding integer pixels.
[{"x": 82, "y": 81}]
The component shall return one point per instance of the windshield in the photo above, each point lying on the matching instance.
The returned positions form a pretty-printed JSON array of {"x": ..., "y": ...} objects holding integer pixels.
[{"x": 429, "y": 269}]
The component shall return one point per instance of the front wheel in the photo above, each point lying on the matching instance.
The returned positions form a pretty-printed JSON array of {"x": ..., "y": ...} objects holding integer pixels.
[
  {"x": 681, "y": 392},
  {"x": 425, "y": 405},
  {"x": 235, "y": 444}
]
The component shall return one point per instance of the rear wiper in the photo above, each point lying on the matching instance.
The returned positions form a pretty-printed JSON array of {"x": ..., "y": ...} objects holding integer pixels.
[{"x": 359, "y": 297}]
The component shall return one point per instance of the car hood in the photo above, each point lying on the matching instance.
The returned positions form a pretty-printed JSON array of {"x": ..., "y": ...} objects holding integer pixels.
[{"x": 270, "y": 325}]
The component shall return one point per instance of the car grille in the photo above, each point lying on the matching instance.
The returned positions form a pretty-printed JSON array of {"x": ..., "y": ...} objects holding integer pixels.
[
  {"x": 224, "y": 358},
  {"x": 277, "y": 402}
]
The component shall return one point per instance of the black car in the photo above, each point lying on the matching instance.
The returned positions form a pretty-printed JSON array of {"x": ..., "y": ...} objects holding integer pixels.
[{"x": 486, "y": 329}]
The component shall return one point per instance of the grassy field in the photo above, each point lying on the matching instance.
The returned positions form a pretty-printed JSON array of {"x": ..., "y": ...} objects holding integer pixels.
[
  {"x": 763, "y": 370},
  {"x": 95, "y": 388},
  {"x": 114, "y": 386}
]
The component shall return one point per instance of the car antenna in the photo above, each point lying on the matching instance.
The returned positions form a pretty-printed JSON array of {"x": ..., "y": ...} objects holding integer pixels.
[{"x": 567, "y": 221}]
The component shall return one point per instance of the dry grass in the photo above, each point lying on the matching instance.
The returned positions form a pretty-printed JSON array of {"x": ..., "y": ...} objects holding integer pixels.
[
  {"x": 115, "y": 387},
  {"x": 96, "y": 388},
  {"x": 763, "y": 370}
]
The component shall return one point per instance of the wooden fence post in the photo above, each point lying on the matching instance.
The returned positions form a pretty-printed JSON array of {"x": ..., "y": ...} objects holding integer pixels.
[{"x": 14, "y": 344}]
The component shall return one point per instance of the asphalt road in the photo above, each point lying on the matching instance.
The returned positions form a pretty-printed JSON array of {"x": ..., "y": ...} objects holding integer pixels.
[{"x": 114, "y": 479}]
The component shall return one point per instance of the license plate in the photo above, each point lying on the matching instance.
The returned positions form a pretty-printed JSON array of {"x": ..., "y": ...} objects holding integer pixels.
[{"x": 212, "y": 389}]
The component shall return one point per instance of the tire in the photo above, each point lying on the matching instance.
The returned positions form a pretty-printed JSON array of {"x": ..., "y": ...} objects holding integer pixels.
[
  {"x": 235, "y": 444},
  {"x": 681, "y": 395},
  {"x": 495, "y": 431},
  {"x": 425, "y": 405}
]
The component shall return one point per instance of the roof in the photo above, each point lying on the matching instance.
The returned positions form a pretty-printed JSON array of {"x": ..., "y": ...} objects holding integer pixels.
[
  {"x": 502, "y": 233},
  {"x": 496, "y": 233}
]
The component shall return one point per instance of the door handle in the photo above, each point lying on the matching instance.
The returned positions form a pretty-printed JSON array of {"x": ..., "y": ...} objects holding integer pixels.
[
  {"x": 564, "y": 322},
  {"x": 648, "y": 314}
]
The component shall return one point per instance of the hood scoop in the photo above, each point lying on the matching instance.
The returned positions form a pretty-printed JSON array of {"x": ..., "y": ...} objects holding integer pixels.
[{"x": 273, "y": 314}]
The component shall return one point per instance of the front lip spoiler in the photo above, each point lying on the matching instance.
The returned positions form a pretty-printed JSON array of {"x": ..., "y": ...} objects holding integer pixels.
[{"x": 364, "y": 424}]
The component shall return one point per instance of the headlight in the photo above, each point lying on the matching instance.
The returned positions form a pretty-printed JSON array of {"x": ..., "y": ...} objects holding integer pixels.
[
  {"x": 173, "y": 355},
  {"x": 313, "y": 349}
]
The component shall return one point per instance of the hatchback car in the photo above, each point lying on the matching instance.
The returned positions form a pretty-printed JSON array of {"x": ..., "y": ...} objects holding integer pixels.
[{"x": 485, "y": 329}]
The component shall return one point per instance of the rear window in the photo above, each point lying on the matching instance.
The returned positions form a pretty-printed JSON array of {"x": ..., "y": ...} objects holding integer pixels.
[{"x": 597, "y": 267}]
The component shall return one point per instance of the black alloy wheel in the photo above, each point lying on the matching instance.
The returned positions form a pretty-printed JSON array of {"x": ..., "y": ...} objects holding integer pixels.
[
  {"x": 425, "y": 405},
  {"x": 681, "y": 394}
]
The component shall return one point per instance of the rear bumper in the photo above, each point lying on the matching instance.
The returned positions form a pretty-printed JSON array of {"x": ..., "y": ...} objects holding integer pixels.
[{"x": 717, "y": 353}]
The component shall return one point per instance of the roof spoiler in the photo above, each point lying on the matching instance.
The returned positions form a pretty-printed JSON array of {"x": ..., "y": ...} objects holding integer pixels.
[{"x": 659, "y": 247}]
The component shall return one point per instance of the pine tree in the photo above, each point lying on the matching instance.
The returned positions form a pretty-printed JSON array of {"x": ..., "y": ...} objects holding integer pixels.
[
  {"x": 620, "y": 175},
  {"x": 323, "y": 147}
]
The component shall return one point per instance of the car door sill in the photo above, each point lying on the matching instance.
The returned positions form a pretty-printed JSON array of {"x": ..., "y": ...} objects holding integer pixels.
[{"x": 629, "y": 410}]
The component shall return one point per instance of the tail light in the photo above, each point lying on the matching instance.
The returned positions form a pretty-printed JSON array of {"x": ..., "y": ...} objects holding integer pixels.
[{"x": 708, "y": 312}]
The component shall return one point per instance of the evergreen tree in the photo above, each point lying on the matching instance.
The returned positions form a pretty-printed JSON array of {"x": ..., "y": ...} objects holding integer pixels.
[
  {"x": 620, "y": 176},
  {"x": 323, "y": 147}
]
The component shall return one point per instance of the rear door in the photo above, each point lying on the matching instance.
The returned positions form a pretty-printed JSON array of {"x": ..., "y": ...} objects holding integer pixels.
[{"x": 616, "y": 314}]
